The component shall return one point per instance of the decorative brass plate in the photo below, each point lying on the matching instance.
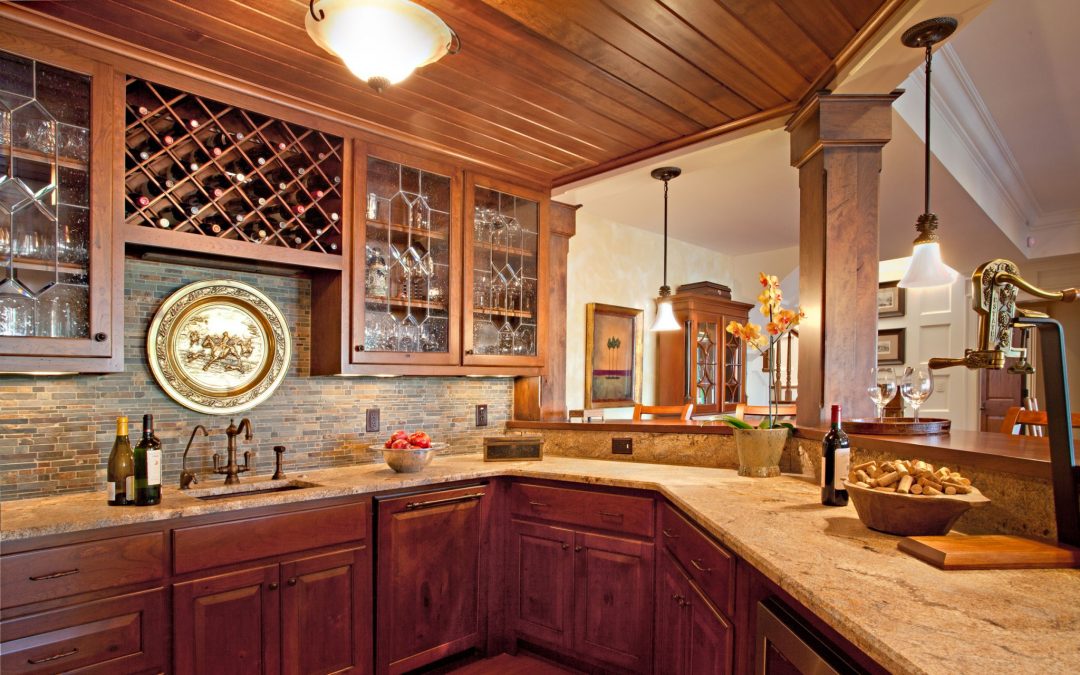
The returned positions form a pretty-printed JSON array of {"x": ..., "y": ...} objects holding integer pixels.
[{"x": 219, "y": 347}]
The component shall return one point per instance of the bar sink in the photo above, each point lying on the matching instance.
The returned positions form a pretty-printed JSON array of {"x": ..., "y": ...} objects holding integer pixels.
[{"x": 250, "y": 490}]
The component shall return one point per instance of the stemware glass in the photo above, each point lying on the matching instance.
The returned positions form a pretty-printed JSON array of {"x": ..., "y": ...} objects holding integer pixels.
[
  {"x": 916, "y": 386},
  {"x": 882, "y": 389}
]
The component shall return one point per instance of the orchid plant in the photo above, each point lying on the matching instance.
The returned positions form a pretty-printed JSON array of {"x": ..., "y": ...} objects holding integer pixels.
[{"x": 781, "y": 322}]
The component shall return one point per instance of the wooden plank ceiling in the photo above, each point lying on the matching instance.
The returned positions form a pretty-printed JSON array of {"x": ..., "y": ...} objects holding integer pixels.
[{"x": 552, "y": 89}]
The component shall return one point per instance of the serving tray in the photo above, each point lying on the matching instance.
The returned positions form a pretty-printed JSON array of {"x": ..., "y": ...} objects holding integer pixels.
[{"x": 898, "y": 426}]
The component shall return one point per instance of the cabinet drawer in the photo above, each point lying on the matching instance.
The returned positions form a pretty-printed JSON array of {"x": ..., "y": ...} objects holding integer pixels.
[
  {"x": 709, "y": 564},
  {"x": 78, "y": 568},
  {"x": 206, "y": 546},
  {"x": 125, "y": 634},
  {"x": 601, "y": 510}
]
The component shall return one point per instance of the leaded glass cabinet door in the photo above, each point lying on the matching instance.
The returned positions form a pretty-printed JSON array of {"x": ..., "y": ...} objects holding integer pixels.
[
  {"x": 706, "y": 365},
  {"x": 406, "y": 261},
  {"x": 734, "y": 373},
  {"x": 505, "y": 276},
  {"x": 55, "y": 257}
]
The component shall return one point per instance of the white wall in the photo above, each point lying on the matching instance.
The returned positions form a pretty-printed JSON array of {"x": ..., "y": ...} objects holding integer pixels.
[
  {"x": 937, "y": 322},
  {"x": 620, "y": 265}
]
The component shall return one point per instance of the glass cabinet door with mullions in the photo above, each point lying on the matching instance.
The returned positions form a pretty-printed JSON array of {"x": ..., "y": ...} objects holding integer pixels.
[
  {"x": 504, "y": 284},
  {"x": 47, "y": 252},
  {"x": 409, "y": 275}
]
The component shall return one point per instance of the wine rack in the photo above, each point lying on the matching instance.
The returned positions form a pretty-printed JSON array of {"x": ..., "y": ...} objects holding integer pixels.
[{"x": 204, "y": 167}]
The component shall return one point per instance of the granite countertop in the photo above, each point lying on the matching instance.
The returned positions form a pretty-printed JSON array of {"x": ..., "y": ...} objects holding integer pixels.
[{"x": 909, "y": 616}]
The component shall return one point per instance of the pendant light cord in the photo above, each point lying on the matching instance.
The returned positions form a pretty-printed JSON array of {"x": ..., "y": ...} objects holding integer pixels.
[
  {"x": 665, "y": 230},
  {"x": 926, "y": 160}
]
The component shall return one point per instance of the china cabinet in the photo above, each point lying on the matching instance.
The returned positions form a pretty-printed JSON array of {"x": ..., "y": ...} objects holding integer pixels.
[
  {"x": 705, "y": 364},
  {"x": 59, "y": 271}
]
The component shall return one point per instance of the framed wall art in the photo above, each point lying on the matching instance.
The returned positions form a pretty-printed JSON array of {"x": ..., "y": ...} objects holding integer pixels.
[
  {"x": 890, "y": 299},
  {"x": 614, "y": 342},
  {"x": 890, "y": 346},
  {"x": 219, "y": 347}
]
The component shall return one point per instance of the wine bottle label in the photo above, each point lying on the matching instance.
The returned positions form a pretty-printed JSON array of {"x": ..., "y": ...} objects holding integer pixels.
[
  {"x": 841, "y": 466},
  {"x": 129, "y": 486},
  {"x": 111, "y": 486},
  {"x": 153, "y": 467}
]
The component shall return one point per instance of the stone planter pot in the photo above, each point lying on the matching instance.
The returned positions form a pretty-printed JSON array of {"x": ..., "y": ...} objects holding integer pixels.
[{"x": 760, "y": 451}]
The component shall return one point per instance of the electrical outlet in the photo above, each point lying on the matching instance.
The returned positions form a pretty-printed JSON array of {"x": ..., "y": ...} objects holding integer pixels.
[
  {"x": 481, "y": 415},
  {"x": 622, "y": 446},
  {"x": 372, "y": 415}
]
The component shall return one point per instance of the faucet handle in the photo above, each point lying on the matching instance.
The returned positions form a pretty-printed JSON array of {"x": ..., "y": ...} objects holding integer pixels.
[
  {"x": 217, "y": 468},
  {"x": 247, "y": 463},
  {"x": 279, "y": 471}
]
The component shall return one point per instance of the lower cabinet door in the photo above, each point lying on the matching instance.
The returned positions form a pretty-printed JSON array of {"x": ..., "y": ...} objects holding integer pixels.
[
  {"x": 125, "y": 634},
  {"x": 228, "y": 624},
  {"x": 710, "y": 639},
  {"x": 430, "y": 582},
  {"x": 672, "y": 619},
  {"x": 542, "y": 583},
  {"x": 326, "y": 614},
  {"x": 613, "y": 605}
]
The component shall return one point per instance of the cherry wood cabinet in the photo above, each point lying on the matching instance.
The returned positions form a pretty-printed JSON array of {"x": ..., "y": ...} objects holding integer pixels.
[
  {"x": 430, "y": 576},
  {"x": 61, "y": 267},
  {"x": 542, "y": 569},
  {"x": 692, "y": 636},
  {"x": 703, "y": 363}
]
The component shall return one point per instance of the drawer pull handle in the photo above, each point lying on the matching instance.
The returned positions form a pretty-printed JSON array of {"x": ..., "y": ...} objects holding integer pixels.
[
  {"x": 538, "y": 504},
  {"x": 412, "y": 506},
  {"x": 698, "y": 567},
  {"x": 608, "y": 514},
  {"x": 34, "y": 662},
  {"x": 669, "y": 534},
  {"x": 55, "y": 575}
]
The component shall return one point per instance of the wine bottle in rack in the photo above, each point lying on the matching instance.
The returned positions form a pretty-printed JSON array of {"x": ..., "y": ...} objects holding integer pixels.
[
  {"x": 168, "y": 218},
  {"x": 279, "y": 178},
  {"x": 142, "y": 195},
  {"x": 216, "y": 184},
  {"x": 298, "y": 163},
  {"x": 258, "y": 191},
  {"x": 144, "y": 149},
  {"x": 192, "y": 204},
  {"x": 236, "y": 207},
  {"x": 256, "y": 232},
  {"x": 237, "y": 169},
  {"x": 190, "y": 161},
  {"x": 215, "y": 225},
  {"x": 277, "y": 219},
  {"x": 315, "y": 185},
  {"x": 218, "y": 142},
  {"x": 171, "y": 175},
  {"x": 172, "y": 133},
  {"x": 296, "y": 206}
]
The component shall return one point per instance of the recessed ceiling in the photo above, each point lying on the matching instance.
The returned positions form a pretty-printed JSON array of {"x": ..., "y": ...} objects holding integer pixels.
[{"x": 554, "y": 89}]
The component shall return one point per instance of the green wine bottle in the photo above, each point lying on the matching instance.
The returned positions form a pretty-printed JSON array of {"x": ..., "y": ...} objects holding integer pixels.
[
  {"x": 121, "y": 471},
  {"x": 148, "y": 466}
]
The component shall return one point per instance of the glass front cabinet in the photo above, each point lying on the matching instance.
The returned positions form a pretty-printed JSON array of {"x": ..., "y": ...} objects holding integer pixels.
[
  {"x": 58, "y": 277},
  {"x": 703, "y": 364}
]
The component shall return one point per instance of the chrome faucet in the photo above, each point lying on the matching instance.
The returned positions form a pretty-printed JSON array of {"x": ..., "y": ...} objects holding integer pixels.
[
  {"x": 232, "y": 470},
  {"x": 189, "y": 477}
]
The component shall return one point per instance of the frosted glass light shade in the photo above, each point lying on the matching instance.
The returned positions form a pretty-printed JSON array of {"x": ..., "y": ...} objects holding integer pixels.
[
  {"x": 927, "y": 269},
  {"x": 379, "y": 39},
  {"x": 665, "y": 317}
]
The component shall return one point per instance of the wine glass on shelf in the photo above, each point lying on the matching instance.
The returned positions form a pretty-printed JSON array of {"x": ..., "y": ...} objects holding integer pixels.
[
  {"x": 882, "y": 389},
  {"x": 916, "y": 386}
]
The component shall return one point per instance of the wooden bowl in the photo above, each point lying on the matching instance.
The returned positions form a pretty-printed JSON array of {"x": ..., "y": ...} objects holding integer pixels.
[{"x": 911, "y": 515}]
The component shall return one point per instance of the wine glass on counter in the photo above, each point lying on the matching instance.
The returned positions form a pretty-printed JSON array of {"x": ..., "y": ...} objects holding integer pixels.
[
  {"x": 882, "y": 389},
  {"x": 916, "y": 386}
]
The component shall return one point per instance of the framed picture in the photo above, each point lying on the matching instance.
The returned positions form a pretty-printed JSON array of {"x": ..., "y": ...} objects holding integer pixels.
[
  {"x": 614, "y": 345},
  {"x": 890, "y": 299},
  {"x": 890, "y": 346}
]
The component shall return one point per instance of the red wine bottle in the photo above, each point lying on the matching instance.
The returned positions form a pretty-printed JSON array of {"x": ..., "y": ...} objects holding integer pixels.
[
  {"x": 142, "y": 195},
  {"x": 292, "y": 200},
  {"x": 147, "y": 461},
  {"x": 835, "y": 461}
]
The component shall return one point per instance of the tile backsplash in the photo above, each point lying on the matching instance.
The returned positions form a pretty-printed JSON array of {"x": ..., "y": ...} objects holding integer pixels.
[{"x": 56, "y": 432}]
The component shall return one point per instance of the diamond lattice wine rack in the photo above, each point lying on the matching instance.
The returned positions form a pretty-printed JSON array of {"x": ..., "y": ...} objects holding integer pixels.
[{"x": 199, "y": 166}]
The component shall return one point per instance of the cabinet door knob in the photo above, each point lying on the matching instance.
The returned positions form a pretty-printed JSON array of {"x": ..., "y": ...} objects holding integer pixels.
[
  {"x": 273, "y": 586},
  {"x": 566, "y": 547},
  {"x": 468, "y": 352},
  {"x": 101, "y": 337},
  {"x": 292, "y": 581},
  {"x": 577, "y": 549},
  {"x": 359, "y": 348}
]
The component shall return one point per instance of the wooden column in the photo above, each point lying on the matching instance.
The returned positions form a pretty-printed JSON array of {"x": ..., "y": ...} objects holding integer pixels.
[
  {"x": 836, "y": 143},
  {"x": 544, "y": 397}
]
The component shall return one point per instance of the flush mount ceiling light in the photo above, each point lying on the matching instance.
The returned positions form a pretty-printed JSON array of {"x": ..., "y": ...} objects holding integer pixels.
[
  {"x": 926, "y": 268},
  {"x": 665, "y": 315},
  {"x": 381, "y": 41}
]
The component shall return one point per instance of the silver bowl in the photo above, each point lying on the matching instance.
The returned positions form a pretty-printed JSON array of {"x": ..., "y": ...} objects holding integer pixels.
[{"x": 411, "y": 460}]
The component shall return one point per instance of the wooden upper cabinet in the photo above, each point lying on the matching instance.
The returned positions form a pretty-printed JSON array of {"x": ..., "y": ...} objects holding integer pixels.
[
  {"x": 406, "y": 260},
  {"x": 61, "y": 278},
  {"x": 505, "y": 291}
]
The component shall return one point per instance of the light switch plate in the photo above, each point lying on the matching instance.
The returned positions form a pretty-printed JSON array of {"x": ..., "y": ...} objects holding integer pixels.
[
  {"x": 481, "y": 415},
  {"x": 372, "y": 416},
  {"x": 622, "y": 446}
]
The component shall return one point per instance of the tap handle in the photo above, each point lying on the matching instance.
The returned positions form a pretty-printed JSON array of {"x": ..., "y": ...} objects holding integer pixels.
[
  {"x": 247, "y": 462},
  {"x": 217, "y": 459},
  {"x": 940, "y": 362},
  {"x": 279, "y": 453}
]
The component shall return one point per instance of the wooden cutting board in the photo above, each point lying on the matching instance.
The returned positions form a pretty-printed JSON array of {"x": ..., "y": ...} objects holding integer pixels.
[{"x": 989, "y": 552}]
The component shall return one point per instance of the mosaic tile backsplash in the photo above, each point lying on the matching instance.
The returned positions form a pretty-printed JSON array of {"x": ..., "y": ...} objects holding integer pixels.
[{"x": 56, "y": 432}]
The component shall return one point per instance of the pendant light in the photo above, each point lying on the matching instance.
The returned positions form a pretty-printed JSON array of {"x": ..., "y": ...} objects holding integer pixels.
[
  {"x": 926, "y": 268},
  {"x": 665, "y": 315},
  {"x": 381, "y": 41}
]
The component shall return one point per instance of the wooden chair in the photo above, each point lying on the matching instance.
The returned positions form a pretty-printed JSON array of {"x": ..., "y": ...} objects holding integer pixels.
[
  {"x": 682, "y": 412},
  {"x": 782, "y": 410},
  {"x": 587, "y": 415},
  {"x": 1018, "y": 416}
]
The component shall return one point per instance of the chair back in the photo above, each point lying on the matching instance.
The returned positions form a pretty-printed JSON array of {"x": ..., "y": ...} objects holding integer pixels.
[
  {"x": 682, "y": 412},
  {"x": 1018, "y": 416},
  {"x": 782, "y": 410}
]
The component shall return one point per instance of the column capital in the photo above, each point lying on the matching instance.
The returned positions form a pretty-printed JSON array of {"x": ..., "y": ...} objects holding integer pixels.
[{"x": 844, "y": 120}]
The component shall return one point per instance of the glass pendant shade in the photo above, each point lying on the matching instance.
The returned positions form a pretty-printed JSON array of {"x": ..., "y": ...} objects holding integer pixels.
[
  {"x": 927, "y": 269},
  {"x": 665, "y": 316},
  {"x": 381, "y": 41}
]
